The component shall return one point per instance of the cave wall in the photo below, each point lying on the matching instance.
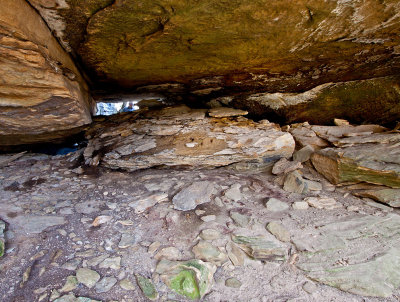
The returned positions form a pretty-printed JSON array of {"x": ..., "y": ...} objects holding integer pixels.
[{"x": 41, "y": 89}]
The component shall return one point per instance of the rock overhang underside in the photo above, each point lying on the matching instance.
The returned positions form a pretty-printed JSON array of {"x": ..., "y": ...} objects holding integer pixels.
[{"x": 283, "y": 61}]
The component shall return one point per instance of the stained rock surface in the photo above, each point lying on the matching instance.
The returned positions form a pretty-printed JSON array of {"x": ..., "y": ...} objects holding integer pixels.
[
  {"x": 179, "y": 136},
  {"x": 42, "y": 91},
  {"x": 212, "y": 45}
]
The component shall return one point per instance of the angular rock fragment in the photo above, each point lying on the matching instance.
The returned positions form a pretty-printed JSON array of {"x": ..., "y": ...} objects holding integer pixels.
[
  {"x": 207, "y": 252},
  {"x": 147, "y": 287},
  {"x": 276, "y": 205},
  {"x": 235, "y": 254},
  {"x": 192, "y": 279},
  {"x": 260, "y": 248},
  {"x": 322, "y": 202},
  {"x": 234, "y": 193},
  {"x": 190, "y": 197},
  {"x": 305, "y": 136},
  {"x": 279, "y": 231},
  {"x": 209, "y": 234},
  {"x": 388, "y": 196},
  {"x": 370, "y": 158},
  {"x": 226, "y": 112},
  {"x": 87, "y": 277},
  {"x": 303, "y": 154},
  {"x": 284, "y": 166},
  {"x": 295, "y": 183},
  {"x": 171, "y": 138},
  {"x": 169, "y": 253},
  {"x": 142, "y": 204},
  {"x": 233, "y": 282},
  {"x": 240, "y": 219}
]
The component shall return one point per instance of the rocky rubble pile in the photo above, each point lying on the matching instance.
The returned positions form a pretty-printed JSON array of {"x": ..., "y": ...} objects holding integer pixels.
[{"x": 180, "y": 136}]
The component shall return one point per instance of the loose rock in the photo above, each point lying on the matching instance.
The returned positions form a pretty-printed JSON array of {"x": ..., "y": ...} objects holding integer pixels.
[
  {"x": 279, "y": 231},
  {"x": 276, "y": 205},
  {"x": 87, "y": 277},
  {"x": 190, "y": 197}
]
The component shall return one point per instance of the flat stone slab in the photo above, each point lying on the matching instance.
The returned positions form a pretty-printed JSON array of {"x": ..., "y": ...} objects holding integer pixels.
[
  {"x": 190, "y": 197},
  {"x": 360, "y": 255},
  {"x": 37, "y": 224}
]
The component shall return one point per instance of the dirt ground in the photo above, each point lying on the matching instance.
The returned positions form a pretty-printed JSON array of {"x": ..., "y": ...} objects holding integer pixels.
[{"x": 50, "y": 207}]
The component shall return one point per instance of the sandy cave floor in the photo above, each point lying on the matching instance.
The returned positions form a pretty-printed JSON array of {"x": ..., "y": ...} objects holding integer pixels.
[{"x": 49, "y": 212}]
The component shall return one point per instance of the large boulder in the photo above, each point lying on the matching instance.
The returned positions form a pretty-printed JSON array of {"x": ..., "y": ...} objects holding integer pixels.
[
  {"x": 374, "y": 100},
  {"x": 42, "y": 92}
]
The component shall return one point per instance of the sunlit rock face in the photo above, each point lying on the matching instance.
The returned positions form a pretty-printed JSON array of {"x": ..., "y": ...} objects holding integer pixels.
[
  {"x": 41, "y": 90},
  {"x": 262, "y": 45}
]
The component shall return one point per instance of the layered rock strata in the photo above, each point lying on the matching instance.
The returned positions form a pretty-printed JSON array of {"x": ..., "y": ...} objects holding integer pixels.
[
  {"x": 41, "y": 89},
  {"x": 179, "y": 136}
]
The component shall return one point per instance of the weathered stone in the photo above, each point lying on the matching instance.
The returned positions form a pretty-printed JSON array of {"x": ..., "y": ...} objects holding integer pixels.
[
  {"x": 234, "y": 193},
  {"x": 226, "y": 112},
  {"x": 190, "y": 197},
  {"x": 303, "y": 154},
  {"x": 305, "y": 136},
  {"x": 126, "y": 284},
  {"x": 336, "y": 254},
  {"x": 192, "y": 279},
  {"x": 70, "y": 284},
  {"x": 169, "y": 253},
  {"x": 207, "y": 252},
  {"x": 32, "y": 224},
  {"x": 145, "y": 203},
  {"x": 147, "y": 287},
  {"x": 127, "y": 240},
  {"x": 284, "y": 166},
  {"x": 388, "y": 196},
  {"x": 322, "y": 202},
  {"x": 112, "y": 262},
  {"x": 241, "y": 220},
  {"x": 323, "y": 103},
  {"x": 276, "y": 205},
  {"x": 233, "y": 282},
  {"x": 105, "y": 284},
  {"x": 300, "y": 205},
  {"x": 235, "y": 254},
  {"x": 87, "y": 277},
  {"x": 372, "y": 158},
  {"x": 279, "y": 231},
  {"x": 179, "y": 136},
  {"x": 340, "y": 122},
  {"x": 209, "y": 234},
  {"x": 42, "y": 91},
  {"x": 208, "y": 218},
  {"x": 295, "y": 183},
  {"x": 260, "y": 248}
]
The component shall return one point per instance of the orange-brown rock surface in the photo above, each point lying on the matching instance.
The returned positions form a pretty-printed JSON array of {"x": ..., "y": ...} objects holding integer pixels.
[{"x": 41, "y": 90}]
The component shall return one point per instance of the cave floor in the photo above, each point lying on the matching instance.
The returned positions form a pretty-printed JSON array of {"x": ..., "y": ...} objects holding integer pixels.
[{"x": 60, "y": 219}]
